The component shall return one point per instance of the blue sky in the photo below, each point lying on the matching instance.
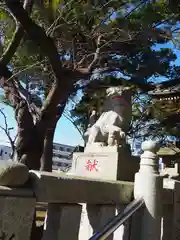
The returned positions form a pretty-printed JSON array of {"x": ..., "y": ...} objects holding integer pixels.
[{"x": 65, "y": 131}]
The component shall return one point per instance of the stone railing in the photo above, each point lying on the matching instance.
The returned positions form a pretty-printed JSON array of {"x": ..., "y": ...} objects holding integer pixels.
[
  {"x": 65, "y": 196},
  {"x": 78, "y": 207}
]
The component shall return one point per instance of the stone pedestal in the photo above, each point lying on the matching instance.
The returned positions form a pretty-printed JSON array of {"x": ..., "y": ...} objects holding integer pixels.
[
  {"x": 105, "y": 162},
  {"x": 99, "y": 165},
  {"x": 128, "y": 165}
]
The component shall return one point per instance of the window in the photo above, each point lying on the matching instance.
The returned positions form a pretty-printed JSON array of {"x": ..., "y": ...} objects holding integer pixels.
[
  {"x": 59, "y": 164},
  {"x": 61, "y": 149},
  {"x": 55, "y": 155},
  {"x": 68, "y": 150}
]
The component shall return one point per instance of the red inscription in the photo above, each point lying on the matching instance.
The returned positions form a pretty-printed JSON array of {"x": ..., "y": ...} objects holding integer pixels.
[
  {"x": 119, "y": 97},
  {"x": 115, "y": 97},
  {"x": 91, "y": 165}
]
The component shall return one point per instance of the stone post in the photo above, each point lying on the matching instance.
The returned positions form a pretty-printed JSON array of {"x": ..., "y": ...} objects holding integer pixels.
[
  {"x": 176, "y": 212},
  {"x": 149, "y": 185},
  {"x": 16, "y": 216},
  {"x": 94, "y": 217},
  {"x": 62, "y": 221}
]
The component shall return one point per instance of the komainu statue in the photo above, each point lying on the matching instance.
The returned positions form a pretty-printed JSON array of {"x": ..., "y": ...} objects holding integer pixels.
[{"x": 114, "y": 122}]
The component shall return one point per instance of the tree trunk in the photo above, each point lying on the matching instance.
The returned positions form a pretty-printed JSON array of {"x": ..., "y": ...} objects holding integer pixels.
[
  {"x": 29, "y": 144},
  {"x": 46, "y": 158},
  {"x": 13, "y": 154}
]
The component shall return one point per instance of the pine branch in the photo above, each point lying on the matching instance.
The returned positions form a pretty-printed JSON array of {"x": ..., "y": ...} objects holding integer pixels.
[{"x": 17, "y": 36}]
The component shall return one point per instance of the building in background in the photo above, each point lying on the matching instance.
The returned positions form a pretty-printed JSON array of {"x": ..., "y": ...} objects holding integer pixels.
[
  {"x": 5, "y": 152},
  {"x": 62, "y": 155}
]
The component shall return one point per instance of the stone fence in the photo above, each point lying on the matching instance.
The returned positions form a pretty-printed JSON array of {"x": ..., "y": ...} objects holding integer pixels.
[{"x": 79, "y": 207}]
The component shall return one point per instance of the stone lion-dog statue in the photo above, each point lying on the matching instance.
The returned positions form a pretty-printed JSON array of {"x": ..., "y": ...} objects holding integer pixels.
[{"x": 114, "y": 122}]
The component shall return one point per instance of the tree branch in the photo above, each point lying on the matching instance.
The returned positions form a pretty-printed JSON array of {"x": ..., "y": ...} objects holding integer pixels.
[
  {"x": 34, "y": 110},
  {"x": 6, "y": 130},
  {"x": 10, "y": 87},
  {"x": 96, "y": 55},
  {"x": 69, "y": 118},
  {"x": 15, "y": 92},
  {"x": 17, "y": 36},
  {"x": 38, "y": 35}
]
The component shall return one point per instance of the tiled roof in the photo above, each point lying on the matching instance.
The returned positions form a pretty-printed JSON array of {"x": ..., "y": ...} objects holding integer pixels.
[
  {"x": 160, "y": 90},
  {"x": 168, "y": 151}
]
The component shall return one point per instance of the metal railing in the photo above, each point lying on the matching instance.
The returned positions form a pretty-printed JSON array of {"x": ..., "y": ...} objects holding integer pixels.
[{"x": 118, "y": 220}]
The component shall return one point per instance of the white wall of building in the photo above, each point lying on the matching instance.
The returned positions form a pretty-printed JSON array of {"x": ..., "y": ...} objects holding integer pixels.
[
  {"x": 61, "y": 153},
  {"x": 5, "y": 152}
]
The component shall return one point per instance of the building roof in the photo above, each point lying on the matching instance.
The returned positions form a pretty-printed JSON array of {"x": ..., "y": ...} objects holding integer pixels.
[
  {"x": 168, "y": 151},
  {"x": 164, "y": 91}
]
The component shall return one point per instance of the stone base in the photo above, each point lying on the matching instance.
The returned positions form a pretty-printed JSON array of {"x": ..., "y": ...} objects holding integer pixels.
[
  {"x": 128, "y": 165},
  {"x": 105, "y": 162},
  {"x": 99, "y": 165}
]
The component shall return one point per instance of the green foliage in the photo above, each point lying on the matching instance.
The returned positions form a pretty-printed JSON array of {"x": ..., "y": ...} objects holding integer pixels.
[
  {"x": 167, "y": 113},
  {"x": 128, "y": 40},
  {"x": 7, "y": 26},
  {"x": 3, "y": 15},
  {"x": 81, "y": 21}
]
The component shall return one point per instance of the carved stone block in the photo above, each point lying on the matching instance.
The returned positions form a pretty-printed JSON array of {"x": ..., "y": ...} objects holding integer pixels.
[
  {"x": 102, "y": 165},
  {"x": 106, "y": 163}
]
